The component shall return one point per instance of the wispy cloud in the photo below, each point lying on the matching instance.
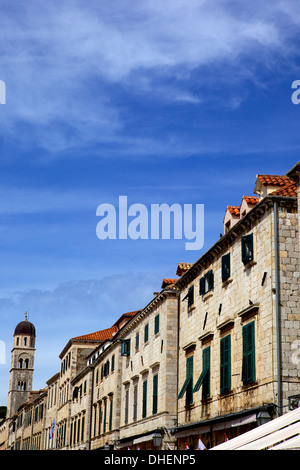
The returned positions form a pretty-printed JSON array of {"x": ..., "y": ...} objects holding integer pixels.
[{"x": 67, "y": 64}]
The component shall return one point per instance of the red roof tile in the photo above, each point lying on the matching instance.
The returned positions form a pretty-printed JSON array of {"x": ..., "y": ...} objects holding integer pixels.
[
  {"x": 252, "y": 200},
  {"x": 274, "y": 180},
  {"x": 167, "y": 282},
  {"x": 101, "y": 335},
  {"x": 290, "y": 190},
  {"x": 182, "y": 268},
  {"x": 234, "y": 210}
]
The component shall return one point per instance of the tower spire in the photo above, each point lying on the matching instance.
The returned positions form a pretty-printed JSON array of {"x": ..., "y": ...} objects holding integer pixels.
[{"x": 25, "y": 315}]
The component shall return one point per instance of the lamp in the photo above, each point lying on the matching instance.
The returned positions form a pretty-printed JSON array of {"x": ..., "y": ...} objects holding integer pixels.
[
  {"x": 263, "y": 416},
  {"x": 106, "y": 447},
  {"x": 157, "y": 439}
]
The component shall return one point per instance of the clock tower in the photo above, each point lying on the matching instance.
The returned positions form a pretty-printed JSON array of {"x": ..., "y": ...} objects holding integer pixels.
[{"x": 22, "y": 364}]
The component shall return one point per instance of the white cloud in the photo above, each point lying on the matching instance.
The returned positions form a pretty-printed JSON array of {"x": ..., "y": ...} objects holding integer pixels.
[{"x": 61, "y": 61}]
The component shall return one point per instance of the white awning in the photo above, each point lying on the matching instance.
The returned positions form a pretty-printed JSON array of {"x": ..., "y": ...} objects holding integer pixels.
[
  {"x": 269, "y": 435},
  {"x": 143, "y": 439},
  {"x": 230, "y": 423}
]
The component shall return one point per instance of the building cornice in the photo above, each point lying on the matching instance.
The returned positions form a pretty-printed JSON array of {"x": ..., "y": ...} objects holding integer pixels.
[{"x": 228, "y": 238}]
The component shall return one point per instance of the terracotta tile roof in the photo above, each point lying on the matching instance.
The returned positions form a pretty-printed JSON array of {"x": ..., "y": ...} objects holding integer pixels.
[
  {"x": 124, "y": 316},
  {"x": 234, "y": 210},
  {"x": 290, "y": 190},
  {"x": 274, "y": 180},
  {"x": 251, "y": 200},
  {"x": 101, "y": 335},
  {"x": 167, "y": 282},
  {"x": 182, "y": 268}
]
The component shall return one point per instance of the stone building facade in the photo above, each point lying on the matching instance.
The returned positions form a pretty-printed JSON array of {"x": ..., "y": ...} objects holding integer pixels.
[{"x": 212, "y": 351}]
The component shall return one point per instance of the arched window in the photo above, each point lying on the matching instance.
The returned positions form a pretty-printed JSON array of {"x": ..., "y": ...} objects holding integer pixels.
[
  {"x": 24, "y": 387},
  {"x": 20, "y": 363},
  {"x": 25, "y": 341},
  {"x": 26, "y": 363},
  {"x": 18, "y": 341}
]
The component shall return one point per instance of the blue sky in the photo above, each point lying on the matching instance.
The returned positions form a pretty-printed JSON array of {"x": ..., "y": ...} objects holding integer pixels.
[{"x": 164, "y": 102}]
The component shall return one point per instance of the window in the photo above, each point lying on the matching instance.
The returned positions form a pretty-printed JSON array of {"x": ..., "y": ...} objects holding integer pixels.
[
  {"x": 225, "y": 364},
  {"x": 187, "y": 388},
  {"x": 247, "y": 248},
  {"x": 206, "y": 283},
  {"x": 248, "y": 368},
  {"x": 126, "y": 406},
  {"x": 137, "y": 341},
  {"x": 190, "y": 296},
  {"x": 84, "y": 386},
  {"x": 144, "y": 413},
  {"x": 125, "y": 347},
  {"x": 135, "y": 394},
  {"x": 113, "y": 363},
  {"x": 155, "y": 394},
  {"x": 146, "y": 333},
  {"x": 110, "y": 415},
  {"x": 204, "y": 379},
  {"x": 104, "y": 419},
  {"x": 226, "y": 267},
  {"x": 156, "y": 324},
  {"x": 20, "y": 363}
]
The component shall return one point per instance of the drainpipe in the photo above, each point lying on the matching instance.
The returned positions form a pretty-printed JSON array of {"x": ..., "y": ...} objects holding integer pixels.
[
  {"x": 91, "y": 408},
  {"x": 278, "y": 322}
]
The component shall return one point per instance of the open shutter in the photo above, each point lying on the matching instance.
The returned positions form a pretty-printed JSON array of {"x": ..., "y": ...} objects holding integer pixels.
[
  {"x": 188, "y": 384},
  {"x": 191, "y": 296},
  {"x": 204, "y": 378}
]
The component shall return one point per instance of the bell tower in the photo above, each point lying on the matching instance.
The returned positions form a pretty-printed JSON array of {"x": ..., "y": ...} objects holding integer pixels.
[{"x": 22, "y": 364}]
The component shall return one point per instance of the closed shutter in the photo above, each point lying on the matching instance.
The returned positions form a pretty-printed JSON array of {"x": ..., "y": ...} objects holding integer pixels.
[
  {"x": 248, "y": 368},
  {"x": 225, "y": 364},
  {"x": 155, "y": 394},
  {"x": 146, "y": 333},
  {"x": 156, "y": 324},
  {"x": 202, "y": 286},
  {"x": 144, "y": 399}
]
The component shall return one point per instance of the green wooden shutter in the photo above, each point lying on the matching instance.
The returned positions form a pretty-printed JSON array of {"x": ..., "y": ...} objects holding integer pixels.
[
  {"x": 104, "y": 419},
  {"x": 248, "y": 368},
  {"x": 155, "y": 394},
  {"x": 206, "y": 366},
  {"x": 156, "y": 324},
  {"x": 146, "y": 333},
  {"x": 191, "y": 296},
  {"x": 110, "y": 414},
  {"x": 225, "y": 362},
  {"x": 202, "y": 286},
  {"x": 204, "y": 378},
  {"x": 189, "y": 388},
  {"x": 144, "y": 414},
  {"x": 188, "y": 384}
]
